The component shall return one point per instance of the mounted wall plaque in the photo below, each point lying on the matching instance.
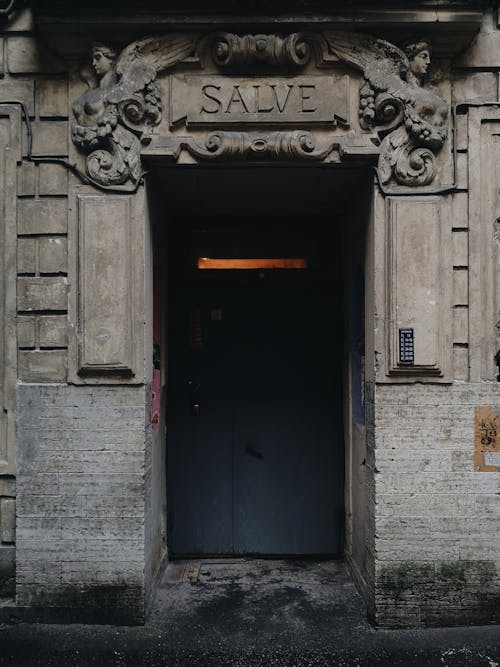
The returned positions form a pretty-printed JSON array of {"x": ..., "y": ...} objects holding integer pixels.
[
  {"x": 282, "y": 100},
  {"x": 406, "y": 347}
]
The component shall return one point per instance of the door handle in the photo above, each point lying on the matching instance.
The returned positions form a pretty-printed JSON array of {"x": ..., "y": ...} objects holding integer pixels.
[
  {"x": 253, "y": 452},
  {"x": 195, "y": 403}
]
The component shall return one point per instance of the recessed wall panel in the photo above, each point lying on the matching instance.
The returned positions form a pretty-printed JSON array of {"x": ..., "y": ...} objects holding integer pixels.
[
  {"x": 415, "y": 290},
  {"x": 106, "y": 285}
]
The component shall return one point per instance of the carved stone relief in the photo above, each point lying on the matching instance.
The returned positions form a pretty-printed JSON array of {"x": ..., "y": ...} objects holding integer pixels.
[
  {"x": 229, "y": 49},
  {"x": 411, "y": 120},
  {"x": 299, "y": 145},
  {"x": 118, "y": 111},
  {"x": 220, "y": 100},
  {"x": 405, "y": 122}
]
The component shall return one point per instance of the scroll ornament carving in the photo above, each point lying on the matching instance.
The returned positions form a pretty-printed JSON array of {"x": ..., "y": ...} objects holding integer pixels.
[
  {"x": 122, "y": 105},
  {"x": 230, "y": 49},
  {"x": 298, "y": 144},
  {"x": 411, "y": 120}
]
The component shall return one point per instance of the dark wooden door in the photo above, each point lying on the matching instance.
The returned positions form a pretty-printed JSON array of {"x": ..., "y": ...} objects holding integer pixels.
[{"x": 255, "y": 444}]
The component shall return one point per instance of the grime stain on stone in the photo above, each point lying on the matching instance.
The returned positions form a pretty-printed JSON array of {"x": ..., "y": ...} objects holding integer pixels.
[
  {"x": 88, "y": 595},
  {"x": 442, "y": 593},
  {"x": 399, "y": 579}
]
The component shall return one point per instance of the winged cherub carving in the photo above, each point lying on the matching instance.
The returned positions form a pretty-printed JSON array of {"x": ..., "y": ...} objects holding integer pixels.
[
  {"x": 123, "y": 104},
  {"x": 394, "y": 102}
]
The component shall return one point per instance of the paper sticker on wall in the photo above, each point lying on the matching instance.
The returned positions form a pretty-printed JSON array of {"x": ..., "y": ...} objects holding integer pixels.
[{"x": 487, "y": 439}]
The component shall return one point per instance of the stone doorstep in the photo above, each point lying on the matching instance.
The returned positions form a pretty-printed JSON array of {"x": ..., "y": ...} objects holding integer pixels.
[{"x": 254, "y": 571}]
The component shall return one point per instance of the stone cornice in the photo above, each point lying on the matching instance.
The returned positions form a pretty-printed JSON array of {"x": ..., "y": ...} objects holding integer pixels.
[
  {"x": 70, "y": 26},
  {"x": 62, "y": 7},
  {"x": 442, "y": 11}
]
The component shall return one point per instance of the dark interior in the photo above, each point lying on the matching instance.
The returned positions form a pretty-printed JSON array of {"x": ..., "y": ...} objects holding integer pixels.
[{"x": 255, "y": 445}]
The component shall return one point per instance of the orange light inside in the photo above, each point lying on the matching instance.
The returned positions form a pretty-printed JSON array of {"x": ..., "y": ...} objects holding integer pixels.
[{"x": 254, "y": 263}]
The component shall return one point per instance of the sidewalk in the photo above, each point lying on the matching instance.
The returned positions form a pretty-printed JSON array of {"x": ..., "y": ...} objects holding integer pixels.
[{"x": 250, "y": 612}]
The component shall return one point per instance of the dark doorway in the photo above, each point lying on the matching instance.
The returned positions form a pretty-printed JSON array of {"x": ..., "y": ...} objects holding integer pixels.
[{"x": 255, "y": 438}]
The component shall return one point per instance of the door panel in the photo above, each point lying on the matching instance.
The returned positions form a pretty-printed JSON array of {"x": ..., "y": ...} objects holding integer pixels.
[
  {"x": 288, "y": 455},
  {"x": 199, "y": 445},
  {"x": 260, "y": 468}
]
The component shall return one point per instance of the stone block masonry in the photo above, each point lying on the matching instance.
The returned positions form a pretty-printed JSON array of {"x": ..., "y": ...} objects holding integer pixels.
[
  {"x": 39, "y": 80},
  {"x": 80, "y": 506},
  {"x": 7, "y": 535},
  {"x": 437, "y": 519},
  {"x": 30, "y": 209}
]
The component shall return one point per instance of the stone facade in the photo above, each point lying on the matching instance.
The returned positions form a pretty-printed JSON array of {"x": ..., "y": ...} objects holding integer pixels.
[
  {"x": 82, "y": 471},
  {"x": 80, "y": 505},
  {"x": 436, "y": 515}
]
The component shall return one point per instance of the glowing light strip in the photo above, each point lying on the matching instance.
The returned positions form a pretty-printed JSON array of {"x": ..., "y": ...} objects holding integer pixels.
[{"x": 254, "y": 263}]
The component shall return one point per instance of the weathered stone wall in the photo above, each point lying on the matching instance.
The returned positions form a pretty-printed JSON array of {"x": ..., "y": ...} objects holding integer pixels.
[
  {"x": 34, "y": 201},
  {"x": 80, "y": 514},
  {"x": 37, "y": 78},
  {"x": 437, "y": 519},
  {"x": 80, "y": 451},
  {"x": 155, "y": 441},
  {"x": 436, "y": 512},
  {"x": 475, "y": 91},
  {"x": 359, "y": 486}
]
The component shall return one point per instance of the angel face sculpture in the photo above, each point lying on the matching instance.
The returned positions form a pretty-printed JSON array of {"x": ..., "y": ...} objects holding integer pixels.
[
  {"x": 428, "y": 123},
  {"x": 411, "y": 120},
  {"x": 90, "y": 109},
  {"x": 419, "y": 56},
  {"x": 103, "y": 58},
  {"x": 119, "y": 110}
]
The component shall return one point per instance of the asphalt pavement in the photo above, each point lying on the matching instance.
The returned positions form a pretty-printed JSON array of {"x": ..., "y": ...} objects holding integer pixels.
[{"x": 267, "y": 613}]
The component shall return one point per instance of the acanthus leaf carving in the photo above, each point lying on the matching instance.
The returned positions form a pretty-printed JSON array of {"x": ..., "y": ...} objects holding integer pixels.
[{"x": 399, "y": 158}]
